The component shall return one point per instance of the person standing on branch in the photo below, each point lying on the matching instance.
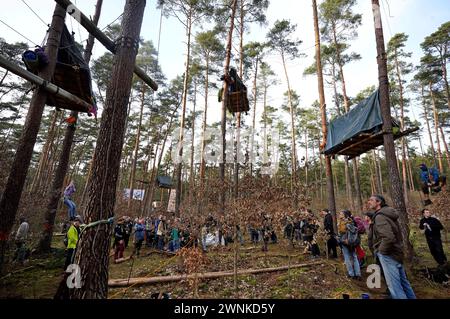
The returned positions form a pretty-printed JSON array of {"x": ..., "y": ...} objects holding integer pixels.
[{"x": 386, "y": 242}]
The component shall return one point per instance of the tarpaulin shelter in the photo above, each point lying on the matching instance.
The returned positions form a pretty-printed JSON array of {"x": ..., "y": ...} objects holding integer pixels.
[
  {"x": 164, "y": 182},
  {"x": 360, "y": 129},
  {"x": 72, "y": 74}
]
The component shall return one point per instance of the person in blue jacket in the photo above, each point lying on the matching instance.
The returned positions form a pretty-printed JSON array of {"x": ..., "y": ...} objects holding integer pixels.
[
  {"x": 139, "y": 230},
  {"x": 431, "y": 178}
]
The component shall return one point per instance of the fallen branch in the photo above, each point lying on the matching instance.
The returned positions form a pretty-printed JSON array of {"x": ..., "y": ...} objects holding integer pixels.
[
  {"x": 208, "y": 275},
  {"x": 162, "y": 252}
]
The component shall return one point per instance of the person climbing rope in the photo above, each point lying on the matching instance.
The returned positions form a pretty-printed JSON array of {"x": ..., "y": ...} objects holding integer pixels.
[
  {"x": 431, "y": 178},
  {"x": 68, "y": 192}
]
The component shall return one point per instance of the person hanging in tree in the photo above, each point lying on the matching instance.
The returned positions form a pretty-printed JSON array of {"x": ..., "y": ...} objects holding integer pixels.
[
  {"x": 431, "y": 178},
  {"x": 68, "y": 193}
]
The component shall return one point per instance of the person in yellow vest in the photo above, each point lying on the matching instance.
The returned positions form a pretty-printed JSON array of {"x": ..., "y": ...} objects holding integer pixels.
[{"x": 72, "y": 240}]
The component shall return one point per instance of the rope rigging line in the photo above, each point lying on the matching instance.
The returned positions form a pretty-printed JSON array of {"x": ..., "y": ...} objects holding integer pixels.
[
  {"x": 18, "y": 32},
  {"x": 46, "y": 24}
]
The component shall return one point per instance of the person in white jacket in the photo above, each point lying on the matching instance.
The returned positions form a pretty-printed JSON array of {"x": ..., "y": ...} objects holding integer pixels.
[{"x": 20, "y": 239}]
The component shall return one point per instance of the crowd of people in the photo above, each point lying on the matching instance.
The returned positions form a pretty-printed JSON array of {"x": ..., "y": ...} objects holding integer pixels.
[{"x": 303, "y": 229}]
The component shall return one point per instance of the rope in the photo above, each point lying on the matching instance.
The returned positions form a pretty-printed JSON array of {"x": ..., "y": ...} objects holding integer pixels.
[
  {"x": 18, "y": 32},
  {"x": 98, "y": 222},
  {"x": 46, "y": 24}
]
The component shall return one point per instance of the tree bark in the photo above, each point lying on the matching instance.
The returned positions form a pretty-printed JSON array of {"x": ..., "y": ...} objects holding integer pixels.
[
  {"x": 436, "y": 129},
  {"x": 92, "y": 253},
  {"x": 425, "y": 114},
  {"x": 395, "y": 185},
  {"x": 13, "y": 190}
]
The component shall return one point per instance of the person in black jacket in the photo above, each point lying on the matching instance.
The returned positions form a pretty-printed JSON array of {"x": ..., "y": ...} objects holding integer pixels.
[
  {"x": 329, "y": 229},
  {"x": 432, "y": 227},
  {"x": 119, "y": 243}
]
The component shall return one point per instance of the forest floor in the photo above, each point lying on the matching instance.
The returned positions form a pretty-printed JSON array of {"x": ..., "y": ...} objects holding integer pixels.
[{"x": 40, "y": 277}]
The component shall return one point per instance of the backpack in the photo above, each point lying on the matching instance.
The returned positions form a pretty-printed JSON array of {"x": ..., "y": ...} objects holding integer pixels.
[
  {"x": 351, "y": 237},
  {"x": 360, "y": 225}
]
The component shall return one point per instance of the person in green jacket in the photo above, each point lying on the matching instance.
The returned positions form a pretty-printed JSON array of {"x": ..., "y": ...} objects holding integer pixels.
[{"x": 72, "y": 239}]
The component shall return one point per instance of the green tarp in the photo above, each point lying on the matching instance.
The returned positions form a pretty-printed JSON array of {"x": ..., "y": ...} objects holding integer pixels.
[
  {"x": 365, "y": 117},
  {"x": 164, "y": 181}
]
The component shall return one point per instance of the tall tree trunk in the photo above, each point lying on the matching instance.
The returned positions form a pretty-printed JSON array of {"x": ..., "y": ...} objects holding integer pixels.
[
  {"x": 183, "y": 114},
  {"x": 92, "y": 255},
  {"x": 395, "y": 185},
  {"x": 444, "y": 59},
  {"x": 348, "y": 184},
  {"x": 436, "y": 129},
  {"x": 335, "y": 92},
  {"x": 447, "y": 153},
  {"x": 150, "y": 193},
  {"x": 347, "y": 108},
  {"x": 427, "y": 121},
  {"x": 136, "y": 148},
  {"x": 205, "y": 113},
  {"x": 43, "y": 160},
  {"x": 306, "y": 161},
  {"x": 255, "y": 94},
  {"x": 294, "y": 148},
  {"x": 224, "y": 105},
  {"x": 329, "y": 172},
  {"x": 378, "y": 188},
  {"x": 357, "y": 184},
  {"x": 402, "y": 127},
  {"x": 13, "y": 190},
  {"x": 192, "y": 171}
]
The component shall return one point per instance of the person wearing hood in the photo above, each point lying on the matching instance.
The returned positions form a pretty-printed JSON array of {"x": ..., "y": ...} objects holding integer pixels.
[
  {"x": 430, "y": 177},
  {"x": 385, "y": 240}
]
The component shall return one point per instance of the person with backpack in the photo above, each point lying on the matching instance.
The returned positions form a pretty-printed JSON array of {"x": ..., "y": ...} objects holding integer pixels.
[
  {"x": 432, "y": 229},
  {"x": 329, "y": 229},
  {"x": 361, "y": 226},
  {"x": 71, "y": 241},
  {"x": 431, "y": 178},
  {"x": 385, "y": 240},
  {"x": 349, "y": 239}
]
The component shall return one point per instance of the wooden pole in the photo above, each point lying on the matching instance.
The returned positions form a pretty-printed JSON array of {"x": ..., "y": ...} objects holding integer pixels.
[
  {"x": 45, "y": 84},
  {"x": 103, "y": 39},
  {"x": 209, "y": 275}
]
